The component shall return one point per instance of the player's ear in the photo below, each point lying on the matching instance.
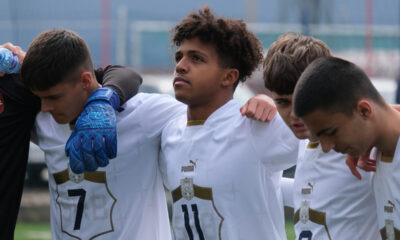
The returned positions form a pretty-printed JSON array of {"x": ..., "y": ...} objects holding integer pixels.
[
  {"x": 231, "y": 76},
  {"x": 85, "y": 79},
  {"x": 364, "y": 109}
]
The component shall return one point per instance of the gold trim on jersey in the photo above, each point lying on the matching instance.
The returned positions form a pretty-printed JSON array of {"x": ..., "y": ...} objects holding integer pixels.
[
  {"x": 195, "y": 122},
  {"x": 312, "y": 145},
  {"x": 97, "y": 177},
  {"x": 396, "y": 233},
  {"x": 387, "y": 159},
  {"x": 204, "y": 193},
  {"x": 315, "y": 217}
]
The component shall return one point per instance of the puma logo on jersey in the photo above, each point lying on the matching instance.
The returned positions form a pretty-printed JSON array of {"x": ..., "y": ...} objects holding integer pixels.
[
  {"x": 307, "y": 190},
  {"x": 389, "y": 209},
  {"x": 189, "y": 168}
]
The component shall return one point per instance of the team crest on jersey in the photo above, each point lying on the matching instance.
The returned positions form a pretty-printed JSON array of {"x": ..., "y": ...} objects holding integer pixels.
[
  {"x": 1, "y": 103},
  {"x": 187, "y": 188},
  {"x": 389, "y": 231}
]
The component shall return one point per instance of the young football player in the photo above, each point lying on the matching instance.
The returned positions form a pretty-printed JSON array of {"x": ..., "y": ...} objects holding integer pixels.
[
  {"x": 339, "y": 105},
  {"x": 222, "y": 169},
  {"x": 329, "y": 202},
  {"x": 18, "y": 109},
  {"x": 124, "y": 200}
]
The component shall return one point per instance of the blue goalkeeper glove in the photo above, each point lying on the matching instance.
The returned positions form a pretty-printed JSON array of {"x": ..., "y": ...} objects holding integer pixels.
[{"x": 94, "y": 139}]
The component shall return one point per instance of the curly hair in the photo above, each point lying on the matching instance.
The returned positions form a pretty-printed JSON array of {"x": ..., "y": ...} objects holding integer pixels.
[
  {"x": 235, "y": 45},
  {"x": 287, "y": 58}
]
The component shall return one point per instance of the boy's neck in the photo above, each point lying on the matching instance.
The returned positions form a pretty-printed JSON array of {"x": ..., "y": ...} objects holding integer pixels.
[
  {"x": 389, "y": 131},
  {"x": 204, "y": 110}
]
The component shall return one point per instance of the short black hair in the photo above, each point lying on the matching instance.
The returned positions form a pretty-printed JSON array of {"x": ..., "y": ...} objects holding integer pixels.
[
  {"x": 287, "y": 58},
  {"x": 236, "y": 46},
  {"x": 333, "y": 85},
  {"x": 53, "y": 57}
]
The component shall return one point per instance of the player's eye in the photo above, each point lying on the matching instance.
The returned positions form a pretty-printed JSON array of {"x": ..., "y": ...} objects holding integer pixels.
[
  {"x": 331, "y": 133},
  {"x": 53, "y": 97},
  {"x": 282, "y": 102},
  {"x": 178, "y": 58},
  {"x": 197, "y": 58}
]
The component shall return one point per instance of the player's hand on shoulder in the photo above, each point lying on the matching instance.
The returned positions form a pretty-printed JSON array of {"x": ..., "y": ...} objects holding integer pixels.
[
  {"x": 17, "y": 50},
  {"x": 396, "y": 107},
  {"x": 365, "y": 162},
  {"x": 260, "y": 107},
  {"x": 94, "y": 138}
]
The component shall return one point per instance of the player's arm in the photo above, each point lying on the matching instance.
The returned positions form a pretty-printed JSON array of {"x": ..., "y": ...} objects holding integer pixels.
[
  {"x": 12, "y": 84},
  {"x": 93, "y": 142},
  {"x": 287, "y": 191},
  {"x": 274, "y": 143},
  {"x": 123, "y": 80},
  {"x": 260, "y": 107}
]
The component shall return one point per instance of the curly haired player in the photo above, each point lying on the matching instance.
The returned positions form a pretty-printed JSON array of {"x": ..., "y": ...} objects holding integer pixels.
[{"x": 222, "y": 168}]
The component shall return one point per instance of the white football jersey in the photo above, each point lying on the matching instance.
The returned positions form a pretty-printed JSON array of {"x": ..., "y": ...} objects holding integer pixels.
[
  {"x": 224, "y": 175},
  {"x": 330, "y": 203},
  {"x": 126, "y": 199},
  {"x": 387, "y": 192}
]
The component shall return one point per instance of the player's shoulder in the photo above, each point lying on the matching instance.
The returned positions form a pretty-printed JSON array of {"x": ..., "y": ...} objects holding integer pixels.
[
  {"x": 148, "y": 101},
  {"x": 175, "y": 126},
  {"x": 276, "y": 124},
  {"x": 149, "y": 98}
]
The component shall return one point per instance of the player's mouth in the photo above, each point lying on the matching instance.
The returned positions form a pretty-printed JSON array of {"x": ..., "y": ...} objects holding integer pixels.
[
  {"x": 299, "y": 126},
  {"x": 179, "y": 81}
]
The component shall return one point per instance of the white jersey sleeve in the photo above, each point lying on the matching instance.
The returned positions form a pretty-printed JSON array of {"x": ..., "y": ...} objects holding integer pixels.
[
  {"x": 156, "y": 111},
  {"x": 287, "y": 191},
  {"x": 275, "y": 143}
]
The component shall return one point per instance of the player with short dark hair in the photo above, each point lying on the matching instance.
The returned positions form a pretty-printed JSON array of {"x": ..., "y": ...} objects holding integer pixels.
[
  {"x": 340, "y": 84},
  {"x": 39, "y": 73},
  {"x": 18, "y": 109},
  {"x": 329, "y": 202},
  {"x": 124, "y": 200},
  {"x": 222, "y": 169},
  {"x": 348, "y": 115}
]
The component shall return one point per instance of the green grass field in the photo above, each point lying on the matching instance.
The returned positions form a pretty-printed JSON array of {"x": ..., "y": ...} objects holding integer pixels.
[
  {"x": 32, "y": 231},
  {"x": 41, "y": 231}
]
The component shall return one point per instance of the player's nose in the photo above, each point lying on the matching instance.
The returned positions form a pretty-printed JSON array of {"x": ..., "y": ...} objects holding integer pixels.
[
  {"x": 45, "y": 106},
  {"x": 181, "y": 66}
]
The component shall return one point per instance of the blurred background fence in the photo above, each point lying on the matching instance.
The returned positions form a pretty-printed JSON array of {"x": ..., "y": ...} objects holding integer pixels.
[{"x": 135, "y": 33}]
